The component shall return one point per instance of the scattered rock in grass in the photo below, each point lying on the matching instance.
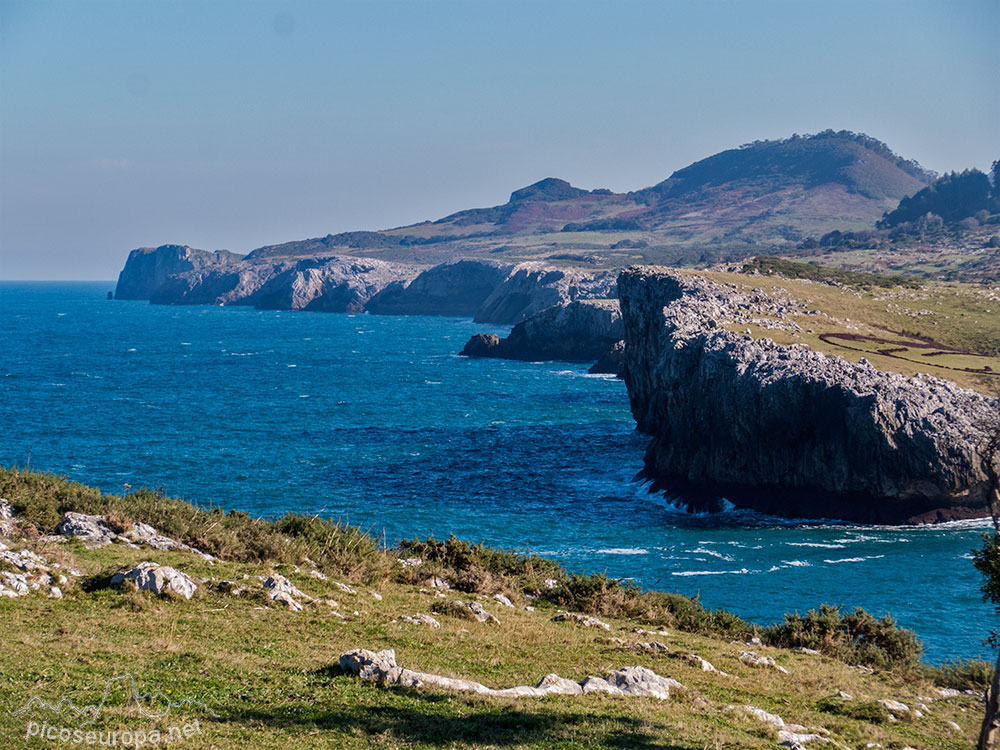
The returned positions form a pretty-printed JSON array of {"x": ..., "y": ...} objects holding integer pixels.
[
  {"x": 95, "y": 529},
  {"x": 421, "y": 619},
  {"x": 55, "y": 593},
  {"x": 504, "y": 600},
  {"x": 278, "y": 596},
  {"x": 953, "y": 725},
  {"x": 809, "y": 651},
  {"x": 13, "y": 584},
  {"x": 640, "y": 631},
  {"x": 844, "y": 696},
  {"x": 631, "y": 681},
  {"x": 376, "y": 595},
  {"x": 435, "y": 582},
  {"x": 703, "y": 664},
  {"x": 652, "y": 647},
  {"x": 276, "y": 582},
  {"x": 91, "y": 529},
  {"x": 410, "y": 562},
  {"x": 586, "y": 620},
  {"x": 894, "y": 706},
  {"x": 755, "y": 641},
  {"x": 24, "y": 560},
  {"x": 550, "y": 583},
  {"x": 143, "y": 533},
  {"x": 317, "y": 574},
  {"x": 756, "y": 660},
  {"x": 344, "y": 587},
  {"x": 468, "y": 610},
  {"x": 160, "y": 579},
  {"x": 528, "y": 608}
]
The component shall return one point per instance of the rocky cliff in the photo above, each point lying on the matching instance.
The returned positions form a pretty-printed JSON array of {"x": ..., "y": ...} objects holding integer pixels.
[
  {"x": 581, "y": 331},
  {"x": 148, "y": 268},
  {"x": 493, "y": 292},
  {"x": 533, "y": 287},
  {"x": 784, "y": 429},
  {"x": 458, "y": 289},
  {"x": 174, "y": 275}
]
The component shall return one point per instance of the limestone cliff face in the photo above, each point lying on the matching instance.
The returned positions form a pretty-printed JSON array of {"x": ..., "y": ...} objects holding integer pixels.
[
  {"x": 174, "y": 275},
  {"x": 148, "y": 268},
  {"x": 533, "y": 287},
  {"x": 787, "y": 430},
  {"x": 581, "y": 331},
  {"x": 458, "y": 289},
  {"x": 338, "y": 284}
]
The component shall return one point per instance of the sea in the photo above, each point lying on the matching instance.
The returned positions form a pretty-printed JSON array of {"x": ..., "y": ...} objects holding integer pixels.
[{"x": 377, "y": 421}]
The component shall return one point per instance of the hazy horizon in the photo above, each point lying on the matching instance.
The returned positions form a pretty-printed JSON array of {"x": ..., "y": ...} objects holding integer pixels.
[{"x": 235, "y": 125}]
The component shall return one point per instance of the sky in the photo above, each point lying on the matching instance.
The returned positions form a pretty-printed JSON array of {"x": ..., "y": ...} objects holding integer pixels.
[{"x": 232, "y": 125}]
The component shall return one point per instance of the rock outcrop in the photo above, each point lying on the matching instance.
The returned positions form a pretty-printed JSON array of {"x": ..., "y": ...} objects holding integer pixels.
[
  {"x": 457, "y": 289},
  {"x": 581, "y": 331},
  {"x": 785, "y": 429},
  {"x": 635, "y": 682},
  {"x": 533, "y": 287},
  {"x": 159, "y": 579}
]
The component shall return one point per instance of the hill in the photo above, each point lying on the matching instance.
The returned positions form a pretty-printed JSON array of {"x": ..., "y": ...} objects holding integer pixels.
[
  {"x": 239, "y": 641},
  {"x": 762, "y": 195}
]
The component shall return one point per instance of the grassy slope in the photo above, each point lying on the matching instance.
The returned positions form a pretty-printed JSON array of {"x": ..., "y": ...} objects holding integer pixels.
[
  {"x": 270, "y": 674},
  {"x": 965, "y": 317}
]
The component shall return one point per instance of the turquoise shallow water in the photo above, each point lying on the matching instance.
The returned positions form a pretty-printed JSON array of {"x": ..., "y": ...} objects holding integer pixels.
[{"x": 375, "y": 419}]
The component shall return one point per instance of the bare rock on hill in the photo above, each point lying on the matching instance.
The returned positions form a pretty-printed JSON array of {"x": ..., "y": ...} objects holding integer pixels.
[
  {"x": 533, "y": 287},
  {"x": 785, "y": 429},
  {"x": 7, "y": 524},
  {"x": 586, "y": 620},
  {"x": 160, "y": 579},
  {"x": 92, "y": 529}
]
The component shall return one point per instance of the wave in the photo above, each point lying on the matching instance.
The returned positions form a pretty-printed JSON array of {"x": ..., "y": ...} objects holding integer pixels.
[
  {"x": 710, "y": 552},
  {"x": 820, "y": 545},
  {"x": 740, "y": 572},
  {"x": 623, "y": 551}
]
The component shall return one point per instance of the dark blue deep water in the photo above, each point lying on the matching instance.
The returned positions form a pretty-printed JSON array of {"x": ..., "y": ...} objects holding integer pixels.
[{"x": 376, "y": 420}]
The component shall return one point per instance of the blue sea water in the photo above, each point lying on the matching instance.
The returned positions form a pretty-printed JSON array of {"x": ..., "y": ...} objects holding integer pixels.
[{"x": 378, "y": 421}]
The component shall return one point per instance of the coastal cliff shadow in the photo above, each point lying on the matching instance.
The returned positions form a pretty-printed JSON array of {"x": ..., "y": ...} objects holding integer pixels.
[{"x": 423, "y": 720}]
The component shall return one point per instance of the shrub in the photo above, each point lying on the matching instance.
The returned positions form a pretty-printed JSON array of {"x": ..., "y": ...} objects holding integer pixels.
[{"x": 855, "y": 637}]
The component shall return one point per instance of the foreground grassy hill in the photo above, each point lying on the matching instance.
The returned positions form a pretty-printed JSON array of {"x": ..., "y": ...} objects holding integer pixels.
[{"x": 254, "y": 674}]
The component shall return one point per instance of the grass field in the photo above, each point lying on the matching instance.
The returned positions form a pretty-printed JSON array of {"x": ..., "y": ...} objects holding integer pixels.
[
  {"x": 946, "y": 329},
  {"x": 263, "y": 677}
]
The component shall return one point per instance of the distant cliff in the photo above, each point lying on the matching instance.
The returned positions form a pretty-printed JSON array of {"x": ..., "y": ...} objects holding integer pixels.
[
  {"x": 784, "y": 429},
  {"x": 148, "y": 268},
  {"x": 493, "y": 292}
]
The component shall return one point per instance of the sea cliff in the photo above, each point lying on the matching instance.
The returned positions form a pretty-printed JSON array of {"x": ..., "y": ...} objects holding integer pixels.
[
  {"x": 785, "y": 429},
  {"x": 490, "y": 291}
]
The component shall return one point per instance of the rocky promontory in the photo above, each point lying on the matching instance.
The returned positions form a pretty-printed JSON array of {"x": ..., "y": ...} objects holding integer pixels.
[
  {"x": 581, "y": 331},
  {"x": 785, "y": 429}
]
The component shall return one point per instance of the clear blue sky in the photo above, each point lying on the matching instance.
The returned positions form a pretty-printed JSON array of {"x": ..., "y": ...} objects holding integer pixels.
[{"x": 238, "y": 124}]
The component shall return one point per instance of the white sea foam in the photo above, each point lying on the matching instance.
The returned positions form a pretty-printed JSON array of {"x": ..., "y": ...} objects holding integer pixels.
[
  {"x": 819, "y": 545},
  {"x": 710, "y": 552},
  {"x": 740, "y": 572},
  {"x": 623, "y": 551},
  {"x": 854, "y": 559}
]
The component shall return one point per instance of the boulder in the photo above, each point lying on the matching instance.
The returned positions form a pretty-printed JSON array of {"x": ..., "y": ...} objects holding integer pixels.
[{"x": 159, "y": 579}]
